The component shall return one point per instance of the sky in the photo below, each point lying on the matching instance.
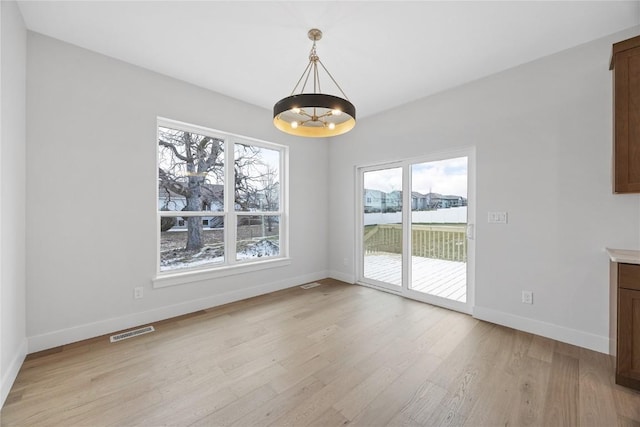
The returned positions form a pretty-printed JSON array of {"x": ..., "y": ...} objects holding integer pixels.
[{"x": 443, "y": 176}]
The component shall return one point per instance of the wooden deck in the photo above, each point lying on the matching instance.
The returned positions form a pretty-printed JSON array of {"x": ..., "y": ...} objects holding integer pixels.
[{"x": 446, "y": 279}]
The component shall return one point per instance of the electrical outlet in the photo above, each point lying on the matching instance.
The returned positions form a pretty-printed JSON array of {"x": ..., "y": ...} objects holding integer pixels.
[
  {"x": 138, "y": 292},
  {"x": 527, "y": 297},
  {"x": 345, "y": 262}
]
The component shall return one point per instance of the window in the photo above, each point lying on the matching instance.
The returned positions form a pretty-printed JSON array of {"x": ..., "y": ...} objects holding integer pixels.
[{"x": 220, "y": 199}]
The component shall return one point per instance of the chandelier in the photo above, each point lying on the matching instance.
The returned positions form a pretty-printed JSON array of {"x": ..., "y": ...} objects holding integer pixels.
[{"x": 314, "y": 114}]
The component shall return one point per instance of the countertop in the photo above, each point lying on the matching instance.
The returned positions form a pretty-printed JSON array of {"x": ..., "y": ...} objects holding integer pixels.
[{"x": 625, "y": 256}]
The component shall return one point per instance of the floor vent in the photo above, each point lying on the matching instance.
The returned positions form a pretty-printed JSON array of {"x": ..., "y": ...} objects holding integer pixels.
[
  {"x": 131, "y": 334},
  {"x": 310, "y": 285}
]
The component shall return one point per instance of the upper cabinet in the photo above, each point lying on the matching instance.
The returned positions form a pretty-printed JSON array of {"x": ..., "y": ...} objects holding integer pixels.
[{"x": 625, "y": 63}]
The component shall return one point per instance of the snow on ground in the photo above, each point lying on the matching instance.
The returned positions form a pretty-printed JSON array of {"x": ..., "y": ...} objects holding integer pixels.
[{"x": 178, "y": 259}]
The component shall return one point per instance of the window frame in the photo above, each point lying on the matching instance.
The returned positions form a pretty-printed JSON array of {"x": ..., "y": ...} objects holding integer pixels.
[{"x": 231, "y": 265}]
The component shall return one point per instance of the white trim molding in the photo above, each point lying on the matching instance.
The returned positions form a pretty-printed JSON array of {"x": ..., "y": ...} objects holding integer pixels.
[
  {"x": 183, "y": 277},
  {"x": 343, "y": 277},
  {"x": 9, "y": 377},
  {"x": 108, "y": 326},
  {"x": 549, "y": 330}
]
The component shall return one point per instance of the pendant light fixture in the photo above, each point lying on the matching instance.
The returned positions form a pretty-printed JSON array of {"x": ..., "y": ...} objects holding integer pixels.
[{"x": 314, "y": 114}]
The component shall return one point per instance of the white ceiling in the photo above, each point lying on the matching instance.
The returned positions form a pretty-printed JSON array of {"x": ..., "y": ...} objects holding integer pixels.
[{"x": 382, "y": 53}]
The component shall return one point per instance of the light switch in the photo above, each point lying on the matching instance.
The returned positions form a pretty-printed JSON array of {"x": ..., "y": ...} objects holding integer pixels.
[{"x": 497, "y": 217}]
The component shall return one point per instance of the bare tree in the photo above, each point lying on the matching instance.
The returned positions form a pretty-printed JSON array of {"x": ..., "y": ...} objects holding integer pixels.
[
  {"x": 271, "y": 192},
  {"x": 257, "y": 184},
  {"x": 187, "y": 162},
  {"x": 247, "y": 173},
  {"x": 192, "y": 166}
]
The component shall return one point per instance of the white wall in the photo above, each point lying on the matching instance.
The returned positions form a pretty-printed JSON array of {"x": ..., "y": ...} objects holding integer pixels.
[
  {"x": 91, "y": 228},
  {"x": 12, "y": 194},
  {"x": 543, "y": 137}
]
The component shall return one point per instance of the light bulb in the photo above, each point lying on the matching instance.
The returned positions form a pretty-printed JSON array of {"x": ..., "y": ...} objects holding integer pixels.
[
  {"x": 295, "y": 110},
  {"x": 332, "y": 126},
  {"x": 294, "y": 125},
  {"x": 336, "y": 112}
]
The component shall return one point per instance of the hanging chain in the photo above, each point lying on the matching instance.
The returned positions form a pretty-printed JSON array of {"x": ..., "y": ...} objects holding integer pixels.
[
  {"x": 333, "y": 80},
  {"x": 312, "y": 67}
]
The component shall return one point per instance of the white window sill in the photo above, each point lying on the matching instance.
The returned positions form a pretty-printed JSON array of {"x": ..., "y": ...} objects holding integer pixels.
[{"x": 172, "y": 279}]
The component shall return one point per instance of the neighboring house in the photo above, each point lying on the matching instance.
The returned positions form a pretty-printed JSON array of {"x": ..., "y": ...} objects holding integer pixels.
[
  {"x": 379, "y": 201},
  {"x": 419, "y": 202},
  {"x": 394, "y": 201},
  {"x": 212, "y": 199},
  {"x": 373, "y": 200},
  {"x": 431, "y": 201},
  {"x": 452, "y": 201}
]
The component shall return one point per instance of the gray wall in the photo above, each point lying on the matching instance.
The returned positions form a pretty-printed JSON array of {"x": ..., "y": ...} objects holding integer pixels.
[
  {"x": 13, "y": 344},
  {"x": 543, "y": 137},
  {"x": 542, "y": 132},
  {"x": 91, "y": 207}
]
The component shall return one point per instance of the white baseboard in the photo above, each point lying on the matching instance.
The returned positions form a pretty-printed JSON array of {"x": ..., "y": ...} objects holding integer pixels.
[
  {"x": 549, "y": 330},
  {"x": 108, "y": 326},
  {"x": 9, "y": 377},
  {"x": 343, "y": 277}
]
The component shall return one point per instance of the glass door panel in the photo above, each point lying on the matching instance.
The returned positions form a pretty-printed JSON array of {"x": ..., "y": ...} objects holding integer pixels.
[
  {"x": 382, "y": 227},
  {"x": 438, "y": 261}
]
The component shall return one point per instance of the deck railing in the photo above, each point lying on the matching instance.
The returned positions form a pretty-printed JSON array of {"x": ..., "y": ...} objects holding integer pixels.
[{"x": 448, "y": 242}]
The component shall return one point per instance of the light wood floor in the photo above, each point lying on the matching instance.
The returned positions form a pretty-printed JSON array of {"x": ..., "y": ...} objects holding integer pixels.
[{"x": 331, "y": 355}]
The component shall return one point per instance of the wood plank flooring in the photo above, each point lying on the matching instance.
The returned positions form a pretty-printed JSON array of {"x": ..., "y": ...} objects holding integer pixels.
[{"x": 331, "y": 355}]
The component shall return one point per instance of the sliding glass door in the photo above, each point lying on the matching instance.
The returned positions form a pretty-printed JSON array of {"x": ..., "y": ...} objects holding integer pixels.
[
  {"x": 414, "y": 229},
  {"x": 439, "y": 228},
  {"x": 382, "y": 226}
]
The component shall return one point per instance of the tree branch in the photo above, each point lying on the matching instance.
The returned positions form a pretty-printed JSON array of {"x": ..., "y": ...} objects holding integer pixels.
[
  {"x": 169, "y": 183},
  {"x": 173, "y": 148}
]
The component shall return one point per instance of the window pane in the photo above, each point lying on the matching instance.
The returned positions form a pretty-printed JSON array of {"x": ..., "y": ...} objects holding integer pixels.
[
  {"x": 257, "y": 178},
  {"x": 383, "y": 231},
  {"x": 438, "y": 228},
  {"x": 185, "y": 242},
  {"x": 190, "y": 171},
  {"x": 258, "y": 236}
]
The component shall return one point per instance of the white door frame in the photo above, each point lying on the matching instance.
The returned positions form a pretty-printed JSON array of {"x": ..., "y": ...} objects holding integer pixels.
[{"x": 360, "y": 171}]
